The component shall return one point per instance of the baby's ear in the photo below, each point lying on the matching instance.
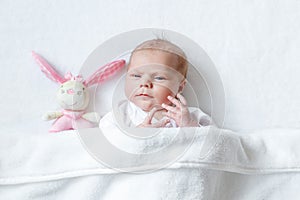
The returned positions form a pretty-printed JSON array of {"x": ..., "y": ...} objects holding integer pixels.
[{"x": 181, "y": 86}]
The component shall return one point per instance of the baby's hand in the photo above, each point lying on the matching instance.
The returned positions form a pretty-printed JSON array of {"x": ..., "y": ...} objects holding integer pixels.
[
  {"x": 180, "y": 113},
  {"x": 147, "y": 122}
]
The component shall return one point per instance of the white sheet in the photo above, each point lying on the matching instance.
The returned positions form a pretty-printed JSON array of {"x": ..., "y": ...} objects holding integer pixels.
[{"x": 261, "y": 165}]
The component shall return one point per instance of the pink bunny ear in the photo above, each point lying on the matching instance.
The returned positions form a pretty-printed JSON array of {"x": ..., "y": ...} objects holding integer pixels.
[
  {"x": 48, "y": 69},
  {"x": 104, "y": 72}
]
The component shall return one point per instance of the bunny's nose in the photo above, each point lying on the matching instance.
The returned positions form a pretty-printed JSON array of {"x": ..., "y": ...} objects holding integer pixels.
[{"x": 70, "y": 91}]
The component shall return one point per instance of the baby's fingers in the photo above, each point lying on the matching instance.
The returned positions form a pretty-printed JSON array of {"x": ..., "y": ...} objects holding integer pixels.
[
  {"x": 169, "y": 108},
  {"x": 171, "y": 115},
  {"x": 160, "y": 124},
  {"x": 182, "y": 99},
  {"x": 175, "y": 101}
]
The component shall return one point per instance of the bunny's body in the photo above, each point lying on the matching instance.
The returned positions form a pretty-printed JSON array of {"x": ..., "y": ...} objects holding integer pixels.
[
  {"x": 73, "y": 96},
  {"x": 69, "y": 120}
]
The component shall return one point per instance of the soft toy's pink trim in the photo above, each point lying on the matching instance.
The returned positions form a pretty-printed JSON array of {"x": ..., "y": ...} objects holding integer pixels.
[
  {"x": 69, "y": 121},
  {"x": 48, "y": 69},
  {"x": 104, "y": 72}
]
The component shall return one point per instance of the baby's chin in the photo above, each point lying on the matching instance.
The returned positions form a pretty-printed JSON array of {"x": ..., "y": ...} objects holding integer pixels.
[{"x": 148, "y": 107}]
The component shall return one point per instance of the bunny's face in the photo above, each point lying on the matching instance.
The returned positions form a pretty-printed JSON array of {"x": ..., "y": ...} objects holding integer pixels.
[{"x": 73, "y": 95}]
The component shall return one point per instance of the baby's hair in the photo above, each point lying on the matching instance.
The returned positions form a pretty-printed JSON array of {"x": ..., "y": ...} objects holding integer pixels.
[{"x": 162, "y": 44}]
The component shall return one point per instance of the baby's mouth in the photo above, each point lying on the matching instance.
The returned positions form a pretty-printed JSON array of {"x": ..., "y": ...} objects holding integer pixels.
[{"x": 143, "y": 95}]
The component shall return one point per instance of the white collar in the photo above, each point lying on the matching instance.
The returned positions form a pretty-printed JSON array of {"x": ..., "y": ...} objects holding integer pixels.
[{"x": 137, "y": 116}]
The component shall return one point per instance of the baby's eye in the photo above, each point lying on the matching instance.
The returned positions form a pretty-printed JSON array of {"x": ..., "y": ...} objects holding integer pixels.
[
  {"x": 160, "y": 78},
  {"x": 135, "y": 75}
]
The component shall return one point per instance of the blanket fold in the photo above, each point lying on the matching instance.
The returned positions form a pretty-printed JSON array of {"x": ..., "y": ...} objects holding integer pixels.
[{"x": 36, "y": 158}]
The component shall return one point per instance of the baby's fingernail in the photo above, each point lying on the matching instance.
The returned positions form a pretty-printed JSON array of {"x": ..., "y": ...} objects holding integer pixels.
[{"x": 163, "y": 105}]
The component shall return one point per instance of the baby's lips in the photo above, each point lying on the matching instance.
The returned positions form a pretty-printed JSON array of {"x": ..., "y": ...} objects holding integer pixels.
[{"x": 143, "y": 95}]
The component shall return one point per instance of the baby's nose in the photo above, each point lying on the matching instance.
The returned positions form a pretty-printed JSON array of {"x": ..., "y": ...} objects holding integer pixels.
[
  {"x": 70, "y": 91},
  {"x": 147, "y": 84}
]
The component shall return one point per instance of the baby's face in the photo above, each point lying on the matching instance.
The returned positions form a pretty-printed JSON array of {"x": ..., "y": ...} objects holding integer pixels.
[{"x": 151, "y": 77}]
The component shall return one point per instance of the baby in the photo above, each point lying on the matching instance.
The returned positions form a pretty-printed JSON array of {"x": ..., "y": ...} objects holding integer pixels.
[{"x": 155, "y": 78}]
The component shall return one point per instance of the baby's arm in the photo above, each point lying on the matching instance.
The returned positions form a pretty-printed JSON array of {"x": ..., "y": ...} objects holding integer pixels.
[{"x": 180, "y": 113}]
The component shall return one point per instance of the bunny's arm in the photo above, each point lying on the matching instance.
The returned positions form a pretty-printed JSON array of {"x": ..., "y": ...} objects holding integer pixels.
[
  {"x": 52, "y": 115},
  {"x": 92, "y": 117}
]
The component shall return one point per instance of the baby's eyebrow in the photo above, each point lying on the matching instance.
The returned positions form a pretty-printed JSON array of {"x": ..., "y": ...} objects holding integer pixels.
[
  {"x": 161, "y": 73},
  {"x": 134, "y": 71}
]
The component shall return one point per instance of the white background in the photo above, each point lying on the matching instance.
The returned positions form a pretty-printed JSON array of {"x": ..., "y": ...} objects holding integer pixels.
[{"x": 255, "y": 46}]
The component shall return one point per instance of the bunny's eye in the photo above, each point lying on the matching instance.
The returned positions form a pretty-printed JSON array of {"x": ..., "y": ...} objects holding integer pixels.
[{"x": 83, "y": 88}]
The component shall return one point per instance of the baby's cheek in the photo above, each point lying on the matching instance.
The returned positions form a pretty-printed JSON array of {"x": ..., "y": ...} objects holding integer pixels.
[
  {"x": 129, "y": 89},
  {"x": 163, "y": 93}
]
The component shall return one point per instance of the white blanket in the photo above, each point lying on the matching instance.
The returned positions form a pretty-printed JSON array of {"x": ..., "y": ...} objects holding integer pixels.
[{"x": 260, "y": 165}]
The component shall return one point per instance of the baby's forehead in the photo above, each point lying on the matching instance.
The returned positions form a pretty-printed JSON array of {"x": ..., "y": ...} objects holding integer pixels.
[
  {"x": 154, "y": 60},
  {"x": 155, "y": 69},
  {"x": 151, "y": 67}
]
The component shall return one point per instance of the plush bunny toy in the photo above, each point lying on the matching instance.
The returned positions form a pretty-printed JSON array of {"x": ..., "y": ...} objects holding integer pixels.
[{"x": 73, "y": 95}]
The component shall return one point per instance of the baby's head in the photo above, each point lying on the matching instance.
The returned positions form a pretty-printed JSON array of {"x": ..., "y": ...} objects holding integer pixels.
[{"x": 157, "y": 69}]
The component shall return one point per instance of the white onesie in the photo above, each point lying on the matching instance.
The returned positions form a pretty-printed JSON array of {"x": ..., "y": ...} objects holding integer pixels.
[{"x": 132, "y": 116}]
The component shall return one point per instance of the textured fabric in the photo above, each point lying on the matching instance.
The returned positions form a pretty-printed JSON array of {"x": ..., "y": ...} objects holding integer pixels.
[{"x": 261, "y": 165}]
